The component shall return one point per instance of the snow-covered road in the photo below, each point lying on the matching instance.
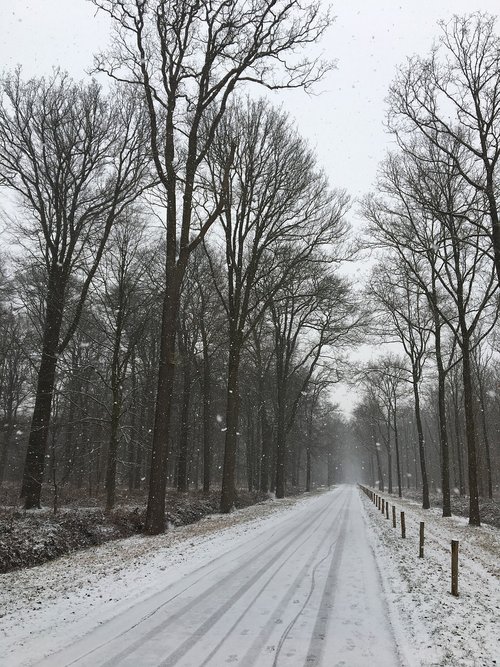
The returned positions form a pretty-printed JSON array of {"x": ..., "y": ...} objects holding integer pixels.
[{"x": 304, "y": 591}]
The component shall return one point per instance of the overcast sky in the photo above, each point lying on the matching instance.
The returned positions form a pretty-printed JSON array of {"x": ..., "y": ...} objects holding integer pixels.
[{"x": 344, "y": 123}]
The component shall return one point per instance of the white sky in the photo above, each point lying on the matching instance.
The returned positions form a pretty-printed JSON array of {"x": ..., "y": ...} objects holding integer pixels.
[{"x": 344, "y": 123}]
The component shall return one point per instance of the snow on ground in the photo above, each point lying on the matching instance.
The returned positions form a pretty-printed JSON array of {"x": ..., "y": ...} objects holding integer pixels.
[
  {"x": 55, "y": 603},
  {"x": 444, "y": 630},
  {"x": 284, "y": 584},
  {"x": 336, "y": 594},
  {"x": 302, "y": 589}
]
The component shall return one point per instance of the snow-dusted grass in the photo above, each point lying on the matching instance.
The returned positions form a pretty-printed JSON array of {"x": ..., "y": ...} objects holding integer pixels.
[
  {"x": 444, "y": 630},
  {"x": 36, "y": 536},
  {"x": 49, "y": 606}
]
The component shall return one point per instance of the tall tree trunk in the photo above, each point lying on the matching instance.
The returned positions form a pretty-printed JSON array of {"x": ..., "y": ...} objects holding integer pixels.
[
  {"x": 443, "y": 430},
  {"x": 132, "y": 444},
  {"x": 155, "y": 512},
  {"x": 470, "y": 431},
  {"x": 396, "y": 444},
  {"x": 207, "y": 418},
  {"x": 116, "y": 409},
  {"x": 460, "y": 463},
  {"x": 31, "y": 489},
  {"x": 114, "y": 441},
  {"x": 421, "y": 445},
  {"x": 250, "y": 445},
  {"x": 228, "y": 493},
  {"x": 308, "y": 468},
  {"x": 266, "y": 447},
  {"x": 308, "y": 450},
  {"x": 330, "y": 466},
  {"x": 389, "y": 455},
  {"x": 280, "y": 449},
  {"x": 486, "y": 440},
  {"x": 143, "y": 423},
  {"x": 380, "y": 470},
  {"x": 182, "y": 461},
  {"x": 7, "y": 439}
]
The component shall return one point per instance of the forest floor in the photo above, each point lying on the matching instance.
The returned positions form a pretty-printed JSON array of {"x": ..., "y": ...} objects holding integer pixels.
[
  {"x": 490, "y": 509},
  {"x": 29, "y": 538}
]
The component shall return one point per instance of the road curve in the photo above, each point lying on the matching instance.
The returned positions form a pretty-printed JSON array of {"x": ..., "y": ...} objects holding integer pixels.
[{"x": 305, "y": 592}]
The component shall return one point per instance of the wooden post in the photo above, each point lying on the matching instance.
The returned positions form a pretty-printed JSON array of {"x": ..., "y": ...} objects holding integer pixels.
[
  {"x": 403, "y": 525},
  {"x": 383, "y": 506},
  {"x": 386, "y": 510},
  {"x": 421, "y": 542},
  {"x": 394, "y": 516},
  {"x": 454, "y": 568}
]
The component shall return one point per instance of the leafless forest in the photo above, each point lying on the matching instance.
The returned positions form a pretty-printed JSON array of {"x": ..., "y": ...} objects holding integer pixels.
[{"x": 177, "y": 292}]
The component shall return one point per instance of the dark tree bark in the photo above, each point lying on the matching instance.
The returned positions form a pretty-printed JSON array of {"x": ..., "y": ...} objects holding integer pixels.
[
  {"x": 421, "y": 443},
  {"x": 228, "y": 494},
  {"x": 207, "y": 417},
  {"x": 182, "y": 457},
  {"x": 40, "y": 423}
]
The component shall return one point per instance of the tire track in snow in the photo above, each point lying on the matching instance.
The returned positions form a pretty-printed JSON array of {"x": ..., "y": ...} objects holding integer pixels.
[
  {"x": 252, "y": 654},
  {"x": 173, "y": 659},
  {"x": 336, "y": 553},
  {"x": 289, "y": 538},
  {"x": 316, "y": 645},
  {"x": 204, "y": 570}
]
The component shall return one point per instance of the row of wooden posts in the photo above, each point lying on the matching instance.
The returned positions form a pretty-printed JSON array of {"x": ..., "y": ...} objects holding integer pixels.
[{"x": 383, "y": 505}]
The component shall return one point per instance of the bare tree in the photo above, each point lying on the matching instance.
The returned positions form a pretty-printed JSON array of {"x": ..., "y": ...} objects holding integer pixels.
[
  {"x": 312, "y": 312},
  {"x": 366, "y": 423},
  {"x": 386, "y": 379},
  {"x": 75, "y": 160},
  {"x": 279, "y": 212},
  {"x": 452, "y": 98},
  {"x": 481, "y": 362},
  {"x": 186, "y": 59},
  {"x": 122, "y": 304},
  {"x": 406, "y": 314},
  {"x": 211, "y": 321},
  {"x": 434, "y": 220}
]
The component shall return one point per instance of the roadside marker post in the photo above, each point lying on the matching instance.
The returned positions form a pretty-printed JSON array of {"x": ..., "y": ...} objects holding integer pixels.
[
  {"x": 454, "y": 568},
  {"x": 421, "y": 541}
]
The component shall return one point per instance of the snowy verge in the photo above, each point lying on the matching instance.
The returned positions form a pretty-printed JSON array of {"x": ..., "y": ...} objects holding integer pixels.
[
  {"x": 47, "y": 607},
  {"x": 443, "y": 630}
]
